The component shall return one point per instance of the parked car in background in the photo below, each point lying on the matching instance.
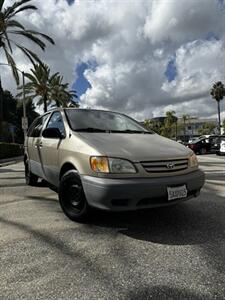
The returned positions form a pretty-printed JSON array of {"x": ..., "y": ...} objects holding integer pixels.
[
  {"x": 214, "y": 141},
  {"x": 207, "y": 144},
  {"x": 107, "y": 160},
  {"x": 221, "y": 150},
  {"x": 194, "y": 139},
  {"x": 200, "y": 146}
]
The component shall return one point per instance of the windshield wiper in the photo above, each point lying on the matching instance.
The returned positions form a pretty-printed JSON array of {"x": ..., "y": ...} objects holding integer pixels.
[
  {"x": 132, "y": 131},
  {"x": 91, "y": 129}
]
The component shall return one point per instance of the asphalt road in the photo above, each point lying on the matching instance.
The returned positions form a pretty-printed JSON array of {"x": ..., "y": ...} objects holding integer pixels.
[{"x": 167, "y": 253}]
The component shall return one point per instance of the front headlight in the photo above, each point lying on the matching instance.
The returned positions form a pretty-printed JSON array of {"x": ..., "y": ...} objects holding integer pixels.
[
  {"x": 102, "y": 164},
  {"x": 193, "y": 161}
]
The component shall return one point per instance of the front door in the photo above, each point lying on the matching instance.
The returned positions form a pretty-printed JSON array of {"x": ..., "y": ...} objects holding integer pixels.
[
  {"x": 50, "y": 149},
  {"x": 34, "y": 146}
]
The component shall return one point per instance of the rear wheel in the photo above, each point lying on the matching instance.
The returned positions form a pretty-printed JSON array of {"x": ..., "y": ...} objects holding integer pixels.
[
  {"x": 31, "y": 179},
  {"x": 72, "y": 198}
]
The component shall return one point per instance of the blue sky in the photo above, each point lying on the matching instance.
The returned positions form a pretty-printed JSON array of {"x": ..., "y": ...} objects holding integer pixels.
[{"x": 81, "y": 84}]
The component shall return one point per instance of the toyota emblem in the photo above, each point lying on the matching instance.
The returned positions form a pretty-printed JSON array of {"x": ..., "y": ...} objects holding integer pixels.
[{"x": 170, "y": 165}]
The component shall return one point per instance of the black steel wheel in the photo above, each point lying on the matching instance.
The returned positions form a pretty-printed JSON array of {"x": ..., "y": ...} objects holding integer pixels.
[
  {"x": 31, "y": 179},
  {"x": 72, "y": 198}
]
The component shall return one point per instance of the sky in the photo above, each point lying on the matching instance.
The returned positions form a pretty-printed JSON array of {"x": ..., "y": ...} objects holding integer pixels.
[{"x": 139, "y": 57}]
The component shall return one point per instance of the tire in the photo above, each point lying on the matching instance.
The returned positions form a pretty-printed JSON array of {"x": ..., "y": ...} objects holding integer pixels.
[
  {"x": 202, "y": 151},
  {"x": 31, "y": 179},
  {"x": 72, "y": 198}
]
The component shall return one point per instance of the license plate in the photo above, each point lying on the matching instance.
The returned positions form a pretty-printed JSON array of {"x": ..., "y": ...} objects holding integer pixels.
[{"x": 177, "y": 192}]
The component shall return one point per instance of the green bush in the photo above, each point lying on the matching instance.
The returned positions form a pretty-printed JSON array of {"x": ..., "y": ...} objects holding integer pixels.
[{"x": 10, "y": 150}]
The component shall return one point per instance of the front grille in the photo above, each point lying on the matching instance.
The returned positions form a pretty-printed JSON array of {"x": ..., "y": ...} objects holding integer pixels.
[{"x": 165, "y": 166}]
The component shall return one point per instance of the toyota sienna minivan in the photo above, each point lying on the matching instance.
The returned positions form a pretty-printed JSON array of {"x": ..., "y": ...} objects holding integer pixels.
[{"x": 107, "y": 160}]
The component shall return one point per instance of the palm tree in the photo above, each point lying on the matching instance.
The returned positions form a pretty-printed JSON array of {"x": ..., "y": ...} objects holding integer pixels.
[
  {"x": 60, "y": 93},
  {"x": 185, "y": 118},
  {"x": 169, "y": 123},
  {"x": 38, "y": 85},
  {"x": 9, "y": 26},
  {"x": 218, "y": 92},
  {"x": 47, "y": 88},
  {"x": 170, "y": 117}
]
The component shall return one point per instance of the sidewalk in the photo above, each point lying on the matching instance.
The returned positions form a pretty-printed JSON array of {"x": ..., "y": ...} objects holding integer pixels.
[{"x": 10, "y": 161}]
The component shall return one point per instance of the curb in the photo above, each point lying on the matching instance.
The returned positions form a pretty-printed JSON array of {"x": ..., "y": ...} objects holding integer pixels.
[{"x": 10, "y": 161}]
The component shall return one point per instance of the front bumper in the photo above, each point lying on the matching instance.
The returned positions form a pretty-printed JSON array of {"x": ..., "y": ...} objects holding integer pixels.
[{"x": 137, "y": 193}]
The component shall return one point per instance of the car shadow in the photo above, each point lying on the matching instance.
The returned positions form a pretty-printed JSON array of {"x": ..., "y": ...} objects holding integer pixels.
[
  {"x": 182, "y": 224},
  {"x": 164, "y": 292}
]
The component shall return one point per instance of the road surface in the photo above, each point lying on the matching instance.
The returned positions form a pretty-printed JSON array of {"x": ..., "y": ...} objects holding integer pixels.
[{"x": 167, "y": 253}]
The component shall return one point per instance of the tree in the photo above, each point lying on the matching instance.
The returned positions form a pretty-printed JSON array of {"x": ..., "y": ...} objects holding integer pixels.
[
  {"x": 223, "y": 126},
  {"x": 60, "y": 93},
  {"x": 38, "y": 85},
  {"x": 11, "y": 117},
  {"x": 207, "y": 128},
  {"x": 7, "y": 110},
  {"x": 47, "y": 88},
  {"x": 169, "y": 127},
  {"x": 185, "y": 118},
  {"x": 218, "y": 92},
  {"x": 154, "y": 125},
  {"x": 9, "y": 27}
]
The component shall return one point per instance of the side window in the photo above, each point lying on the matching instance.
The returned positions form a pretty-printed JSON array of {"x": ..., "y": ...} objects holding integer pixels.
[
  {"x": 30, "y": 130},
  {"x": 37, "y": 126},
  {"x": 56, "y": 122}
]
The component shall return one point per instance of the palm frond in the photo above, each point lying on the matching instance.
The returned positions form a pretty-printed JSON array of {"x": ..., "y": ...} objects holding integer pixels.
[
  {"x": 31, "y": 55},
  {"x": 12, "y": 10},
  {"x": 34, "y": 39},
  {"x": 13, "y": 23},
  {"x": 5, "y": 37},
  {"x": 1, "y": 4},
  {"x": 45, "y": 36},
  {"x": 26, "y": 7},
  {"x": 12, "y": 64},
  {"x": 31, "y": 78}
]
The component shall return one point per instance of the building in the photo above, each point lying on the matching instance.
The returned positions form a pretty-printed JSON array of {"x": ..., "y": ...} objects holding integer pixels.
[
  {"x": 190, "y": 128},
  {"x": 193, "y": 125}
]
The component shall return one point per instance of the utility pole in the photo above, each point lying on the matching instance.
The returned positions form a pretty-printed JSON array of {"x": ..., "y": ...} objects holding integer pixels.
[
  {"x": 1, "y": 108},
  {"x": 24, "y": 119}
]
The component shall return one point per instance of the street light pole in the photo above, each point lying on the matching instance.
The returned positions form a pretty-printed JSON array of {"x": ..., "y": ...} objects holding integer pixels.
[{"x": 24, "y": 109}]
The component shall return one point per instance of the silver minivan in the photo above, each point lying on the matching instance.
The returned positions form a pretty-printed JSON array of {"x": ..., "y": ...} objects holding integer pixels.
[{"x": 107, "y": 160}]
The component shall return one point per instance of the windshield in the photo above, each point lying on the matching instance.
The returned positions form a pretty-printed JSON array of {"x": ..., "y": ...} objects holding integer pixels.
[{"x": 102, "y": 121}]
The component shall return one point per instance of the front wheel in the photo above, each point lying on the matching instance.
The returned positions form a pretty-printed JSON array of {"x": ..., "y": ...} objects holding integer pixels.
[
  {"x": 72, "y": 198},
  {"x": 31, "y": 179}
]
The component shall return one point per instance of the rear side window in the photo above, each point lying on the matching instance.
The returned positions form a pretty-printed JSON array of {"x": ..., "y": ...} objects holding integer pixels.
[{"x": 37, "y": 126}]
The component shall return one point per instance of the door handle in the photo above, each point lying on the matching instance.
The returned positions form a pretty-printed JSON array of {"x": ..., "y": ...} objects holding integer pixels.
[{"x": 38, "y": 145}]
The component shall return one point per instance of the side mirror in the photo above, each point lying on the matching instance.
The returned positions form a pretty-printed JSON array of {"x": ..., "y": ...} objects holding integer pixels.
[{"x": 52, "y": 133}]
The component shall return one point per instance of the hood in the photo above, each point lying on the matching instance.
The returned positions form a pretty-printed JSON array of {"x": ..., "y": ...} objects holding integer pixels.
[{"x": 135, "y": 147}]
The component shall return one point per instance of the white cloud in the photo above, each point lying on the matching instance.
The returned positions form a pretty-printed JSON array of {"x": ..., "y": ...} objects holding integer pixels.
[
  {"x": 181, "y": 20},
  {"x": 132, "y": 43}
]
